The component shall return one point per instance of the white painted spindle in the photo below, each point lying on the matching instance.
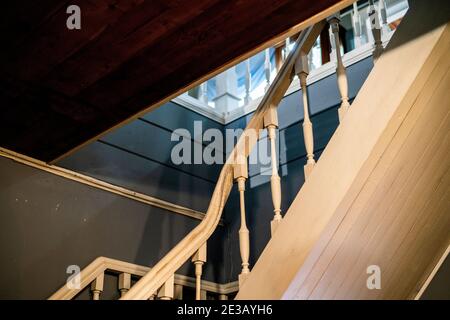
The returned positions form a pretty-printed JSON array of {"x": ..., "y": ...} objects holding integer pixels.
[
  {"x": 124, "y": 283},
  {"x": 357, "y": 29},
  {"x": 267, "y": 68},
  {"x": 241, "y": 175},
  {"x": 97, "y": 286},
  {"x": 340, "y": 69},
  {"x": 286, "y": 47},
  {"x": 383, "y": 14},
  {"x": 271, "y": 124},
  {"x": 167, "y": 290},
  {"x": 302, "y": 71},
  {"x": 199, "y": 259},
  {"x": 248, "y": 81},
  {"x": 376, "y": 30},
  {"x": 204, "y": 92}
]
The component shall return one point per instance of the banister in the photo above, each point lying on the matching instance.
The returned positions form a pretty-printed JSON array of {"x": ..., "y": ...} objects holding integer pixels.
[
  {"x": 103, "y": 264},
  {"x": 168, "y": 265},
  {"x": 87, "y": 275}
]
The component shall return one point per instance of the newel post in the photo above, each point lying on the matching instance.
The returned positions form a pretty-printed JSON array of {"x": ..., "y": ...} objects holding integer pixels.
[
  {"x": 302, "y": 71},
  {"x": 340, "y": 69},
  {"x": 241, "y": 175},
  {"x": 199, "y": 259},
  {"x": 271, "y": 124}
]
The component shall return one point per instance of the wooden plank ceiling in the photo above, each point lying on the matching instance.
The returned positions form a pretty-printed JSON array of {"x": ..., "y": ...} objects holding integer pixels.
[{"x": 60, "y": 88}]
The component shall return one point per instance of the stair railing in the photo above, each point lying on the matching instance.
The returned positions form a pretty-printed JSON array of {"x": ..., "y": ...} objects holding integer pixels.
[
  {"x": 93, "y": 275},
  {"x": 187, "y": 247}
]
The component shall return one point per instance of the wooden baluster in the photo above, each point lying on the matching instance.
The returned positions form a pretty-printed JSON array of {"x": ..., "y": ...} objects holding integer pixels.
[
  {"x": 302, "y": 71},
  {"x": 124, "y": 283},
  {"x": 166, "y": 291},
  {"x": 357, "y": 29},
  {"x": 271, "y": 124},
  {"x": 267, "y": 68},
  {"x": 199, "y": 258},
  {"x": 376, "y": 31},
  {"x": 178, "y": 292},
  {"x": 241, "y": 175},
  {"x": 340, "y": 69},
  {"x": 97, "y": 286},
  {"x": 248, "y": 82},
  {"x": 223, "y": 297}
]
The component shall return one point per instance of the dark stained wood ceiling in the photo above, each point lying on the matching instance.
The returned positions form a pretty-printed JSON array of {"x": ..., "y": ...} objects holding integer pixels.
[{"x": 60, "y": 88}]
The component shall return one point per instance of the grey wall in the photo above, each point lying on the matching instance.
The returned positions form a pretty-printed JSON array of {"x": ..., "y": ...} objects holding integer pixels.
[{"x": 48, "y": 222}]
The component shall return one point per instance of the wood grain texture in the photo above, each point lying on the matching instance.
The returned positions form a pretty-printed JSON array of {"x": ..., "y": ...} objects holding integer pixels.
[
  {"x": 60, "y": 88},
  {"x": 383, "y": 181}
]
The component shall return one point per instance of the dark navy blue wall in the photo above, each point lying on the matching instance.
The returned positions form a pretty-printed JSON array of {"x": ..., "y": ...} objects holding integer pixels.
[{"x": 137, "y": 156}]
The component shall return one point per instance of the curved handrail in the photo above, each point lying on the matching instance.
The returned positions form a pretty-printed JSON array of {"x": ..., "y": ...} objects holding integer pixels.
[
  {"x": 176, "y": 257},
  {"x": 102, "y": 264}
]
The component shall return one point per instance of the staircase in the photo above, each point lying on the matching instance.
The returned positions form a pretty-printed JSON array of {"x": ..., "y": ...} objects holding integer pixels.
[{"x": 377, "y": 197}]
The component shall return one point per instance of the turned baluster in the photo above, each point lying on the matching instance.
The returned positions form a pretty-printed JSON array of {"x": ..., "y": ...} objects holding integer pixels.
[
  {"x": 376, "y": 31},
  {"x": 203, "y": 94},
  {"x": 97, "y": 286},
  {"x": 267, "y": 68},
  {"x": 124, "y": 283},
  {"x": 178, "y": 292},
  {"x": 340, "y": 69},
  {"x": 199, "y": 259},
  {"x": 302, "y": 71},
  {"x": 271, "y": 124},
  {"x": 166, "y": 291},
  {"x": 248, "y": 82},
  {"x": 356, "y": 19},
  {"x": 241, "y": 175}
]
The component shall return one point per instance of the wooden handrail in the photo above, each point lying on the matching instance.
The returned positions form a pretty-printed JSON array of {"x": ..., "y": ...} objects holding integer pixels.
[
  {"x": 167, "y": 266},
  {"x": 102, "y": 264}
]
